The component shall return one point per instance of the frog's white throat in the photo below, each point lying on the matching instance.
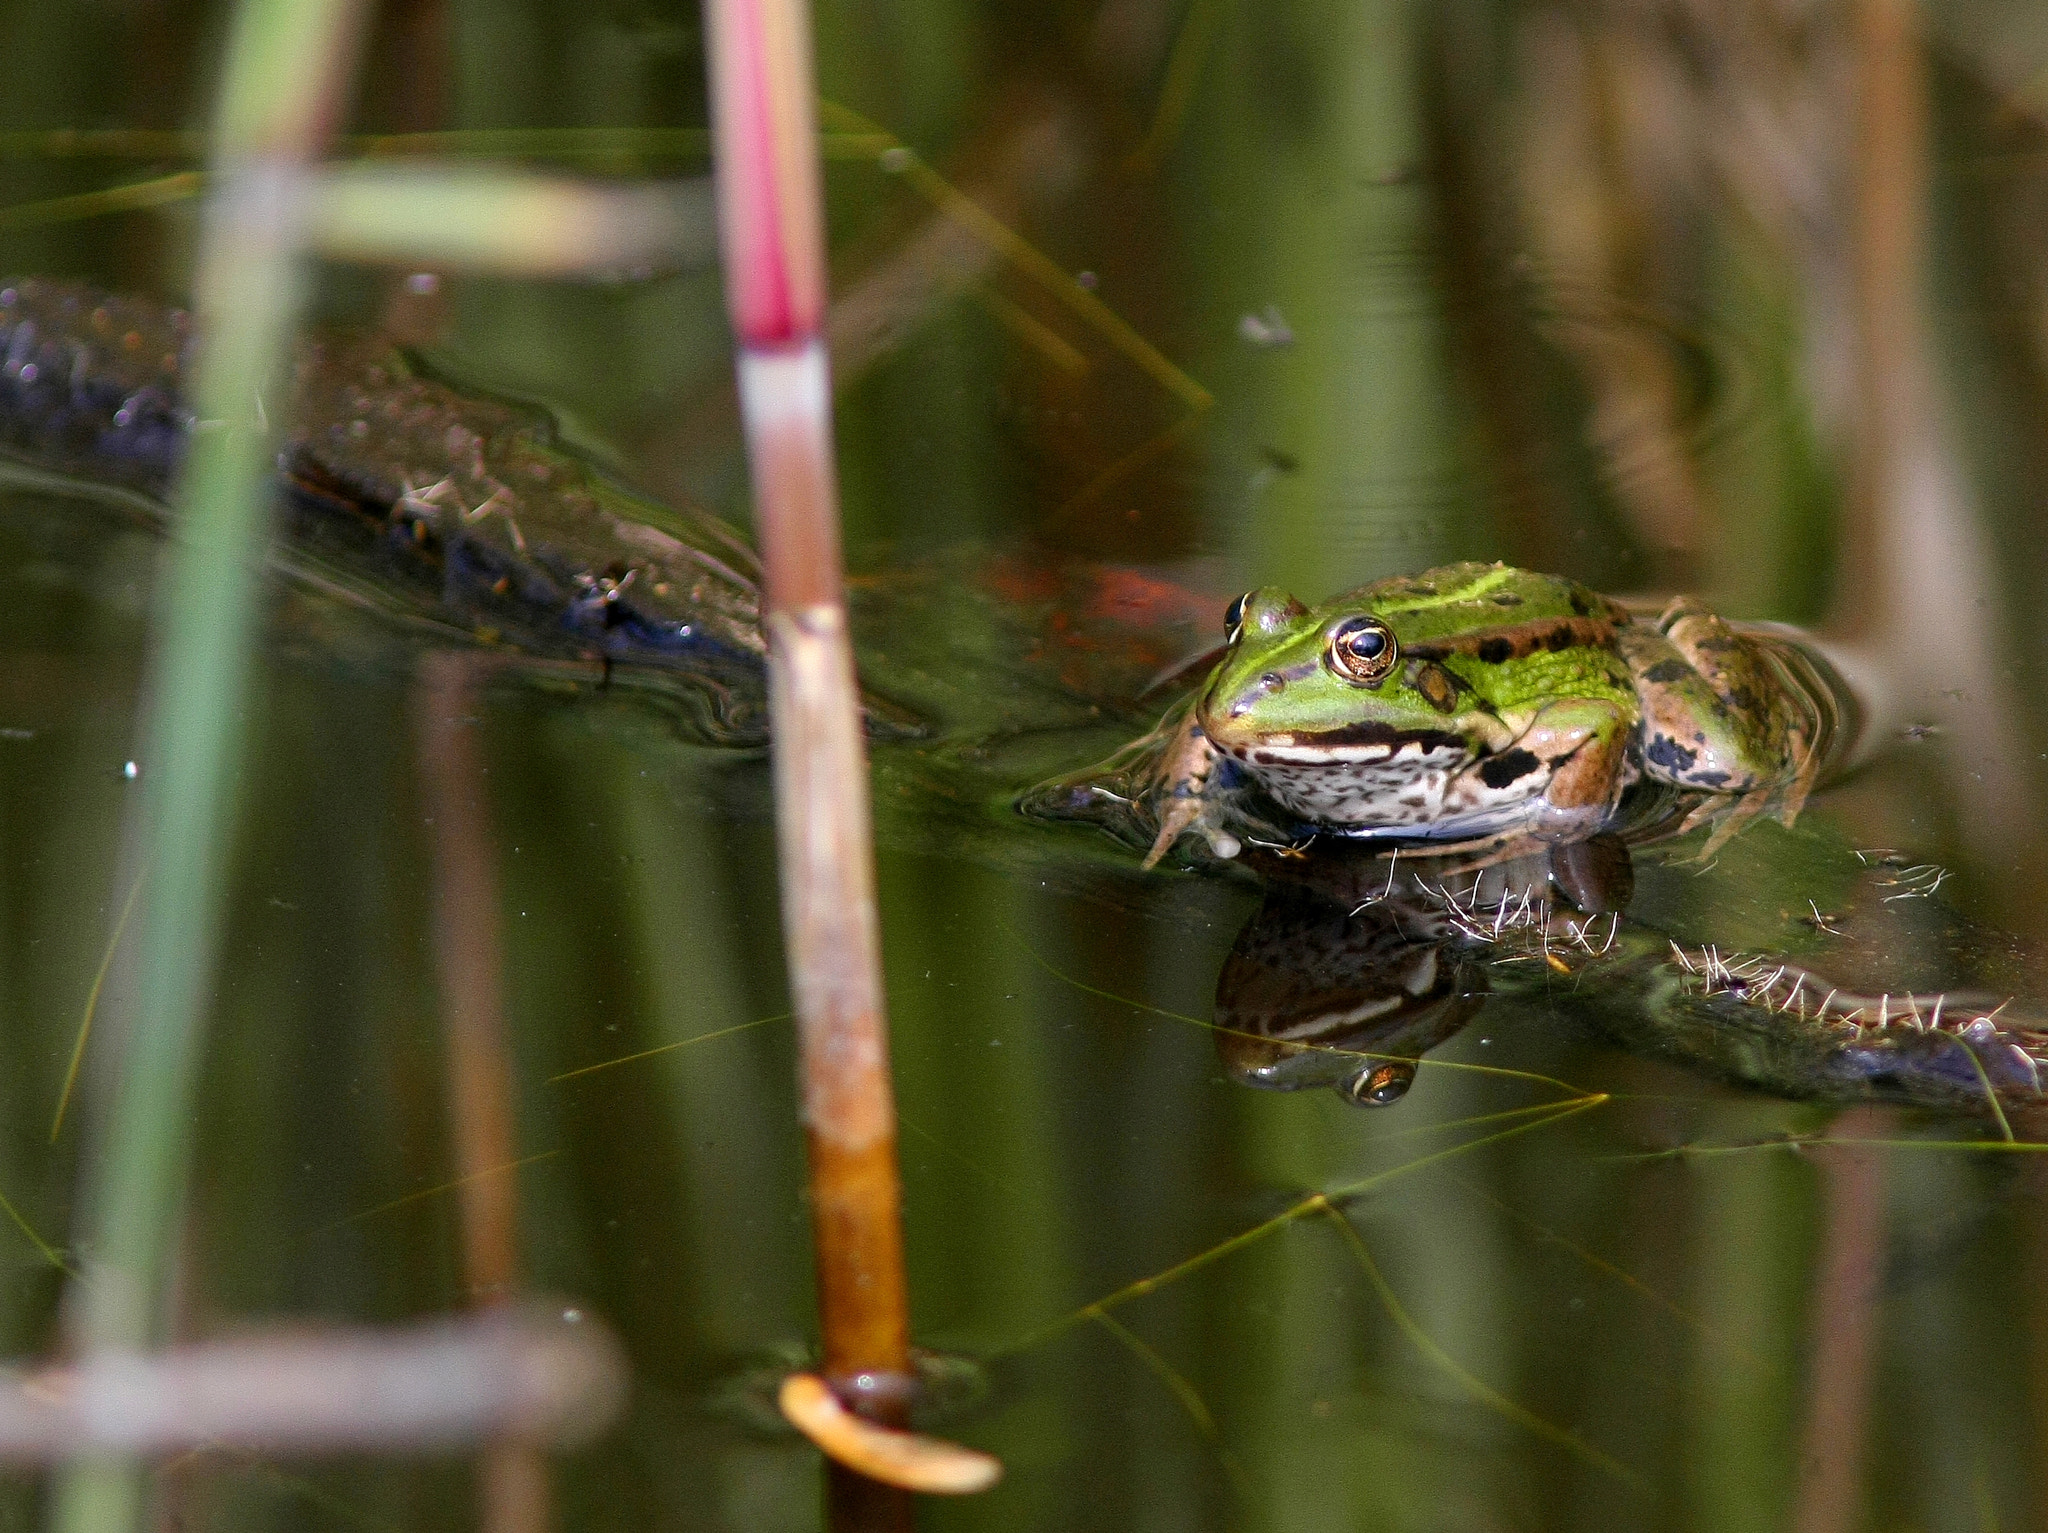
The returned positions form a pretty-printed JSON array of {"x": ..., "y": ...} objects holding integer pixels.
[{"x": 1416, "y": 787}]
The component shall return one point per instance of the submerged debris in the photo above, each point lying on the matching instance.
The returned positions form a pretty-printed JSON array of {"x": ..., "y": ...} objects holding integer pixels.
[{"x": 469, "y": 503}]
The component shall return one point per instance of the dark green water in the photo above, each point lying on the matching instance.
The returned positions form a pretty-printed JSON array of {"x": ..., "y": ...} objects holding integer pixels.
[{"x": 1667, "y": 1308}]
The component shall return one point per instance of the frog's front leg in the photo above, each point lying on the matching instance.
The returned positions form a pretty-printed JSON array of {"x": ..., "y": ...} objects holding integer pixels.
[
  {"x": 1715, "y": 715},
  {"x": 1189, "y": 768},
  {"x": 1583, "y": 742}
]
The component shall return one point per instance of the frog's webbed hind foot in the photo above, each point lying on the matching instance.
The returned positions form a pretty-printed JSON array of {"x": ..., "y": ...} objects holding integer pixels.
[
  {"x": 1783, "y": 800},
  {"x": 1726, "y": 816},
  {"x": 1182, "y": 816}
]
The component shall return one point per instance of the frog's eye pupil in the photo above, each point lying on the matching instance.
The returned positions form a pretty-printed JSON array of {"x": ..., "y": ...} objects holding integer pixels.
[
  {"x": 1233, "y": 620},
  {"x": 1362, "y": 650}
]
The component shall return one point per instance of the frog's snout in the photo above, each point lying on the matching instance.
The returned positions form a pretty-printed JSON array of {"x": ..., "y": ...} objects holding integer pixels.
[{"x": 1233, "y": 716}]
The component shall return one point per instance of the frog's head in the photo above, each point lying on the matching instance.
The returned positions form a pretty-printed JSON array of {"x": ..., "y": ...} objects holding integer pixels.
[{"x": 1303, "y": 687}]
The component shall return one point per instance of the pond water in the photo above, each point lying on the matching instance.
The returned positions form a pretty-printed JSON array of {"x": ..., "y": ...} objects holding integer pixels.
[{"x": 1356, "y": 290}]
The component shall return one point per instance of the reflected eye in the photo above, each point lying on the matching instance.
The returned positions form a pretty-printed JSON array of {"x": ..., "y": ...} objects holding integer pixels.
[
  {"x": 1382, "y": 1085},
  {"x": 1362, "y": 650},
  {"x": 1233, "y": 620}
]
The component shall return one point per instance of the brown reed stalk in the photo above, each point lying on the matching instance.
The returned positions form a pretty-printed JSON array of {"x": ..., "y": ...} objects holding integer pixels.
[
  {"x": 770, "y": 229},
  {"x": 1887, "y": 218}
]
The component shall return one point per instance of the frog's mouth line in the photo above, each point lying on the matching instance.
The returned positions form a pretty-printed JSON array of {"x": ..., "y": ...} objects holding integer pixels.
[
  {"x": 1355, "y": 745},
  {"x": 1325, "y": 1022}
]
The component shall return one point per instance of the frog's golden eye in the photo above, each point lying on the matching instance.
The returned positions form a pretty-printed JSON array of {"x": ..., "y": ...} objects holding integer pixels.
[
  {"x": 1233, "y": 620},
  {"x": 1362, "y": 650},
  {"x": 1382, "y": 1085}
]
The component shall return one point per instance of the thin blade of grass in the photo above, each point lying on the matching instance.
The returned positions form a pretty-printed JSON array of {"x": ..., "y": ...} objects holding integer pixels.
[
  {"x": 1190, "y": 1399},
  {"x": 290, "y": 62},
  {"x": 157, "y": 192},
  {"x": 92, "y": 1001},
  {"x": 665, "y": 1048},
  {"x": 1478, "y": 1388}
]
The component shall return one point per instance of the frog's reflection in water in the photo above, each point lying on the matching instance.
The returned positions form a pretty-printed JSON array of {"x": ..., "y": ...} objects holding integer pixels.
[
  {"x": 1314, "y": 994},
  {"x": 1357, "y": 965},
  {"x": 1353, "y": 969}
]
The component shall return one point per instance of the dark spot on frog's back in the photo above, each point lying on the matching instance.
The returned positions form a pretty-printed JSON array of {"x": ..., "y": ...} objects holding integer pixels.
[
  {"x": 1667, "y": 753},
  {"x": 1496, "y": 651},
  {"x": 1509, "y": 766},
  {"x": 1664, "y": 672},
  {"x": 1561, "y": 638},
  {"x": 1509, "y": 599},
  {"x": 1580, "y": 606}
]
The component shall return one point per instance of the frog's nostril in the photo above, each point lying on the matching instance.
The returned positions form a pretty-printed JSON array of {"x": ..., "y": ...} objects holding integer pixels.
[{"x": 1264, "y": 687}]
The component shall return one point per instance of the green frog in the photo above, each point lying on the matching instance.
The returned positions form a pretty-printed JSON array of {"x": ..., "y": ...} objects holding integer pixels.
[{"x": 1476, "y": 704}]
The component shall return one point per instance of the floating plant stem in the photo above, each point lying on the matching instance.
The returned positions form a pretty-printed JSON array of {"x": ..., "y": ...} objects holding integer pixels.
[
  {"x": 514, "y": 1372},
  {"x": 509, "y": 222},
  {"x": 289, "y": 65}
]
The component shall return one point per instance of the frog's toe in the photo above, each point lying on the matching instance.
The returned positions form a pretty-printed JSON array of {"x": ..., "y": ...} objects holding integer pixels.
[
  {"x": 1182, "y": 814},
  {"x": 1726, "y": 815},
  {"x": 1162, "y": 844}
]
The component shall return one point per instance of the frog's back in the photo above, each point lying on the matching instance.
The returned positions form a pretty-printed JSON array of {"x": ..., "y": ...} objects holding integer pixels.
[
  {"x": 1462, "y": 599},
  {"x": 1516, "y": 638}
]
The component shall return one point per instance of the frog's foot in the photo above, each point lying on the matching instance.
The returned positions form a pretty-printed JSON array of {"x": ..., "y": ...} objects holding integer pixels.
[
  {"x": 1187, "y": 772},
  {"x": 1182, "y": 816},
  {"x": 1782, "y": 798},
  {"x": 1178, "y": 817},
  {"x": 1726, "y": 816}
]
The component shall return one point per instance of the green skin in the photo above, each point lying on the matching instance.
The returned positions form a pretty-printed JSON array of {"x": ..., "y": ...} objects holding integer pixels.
[{"x": 1513, "y": 704}]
